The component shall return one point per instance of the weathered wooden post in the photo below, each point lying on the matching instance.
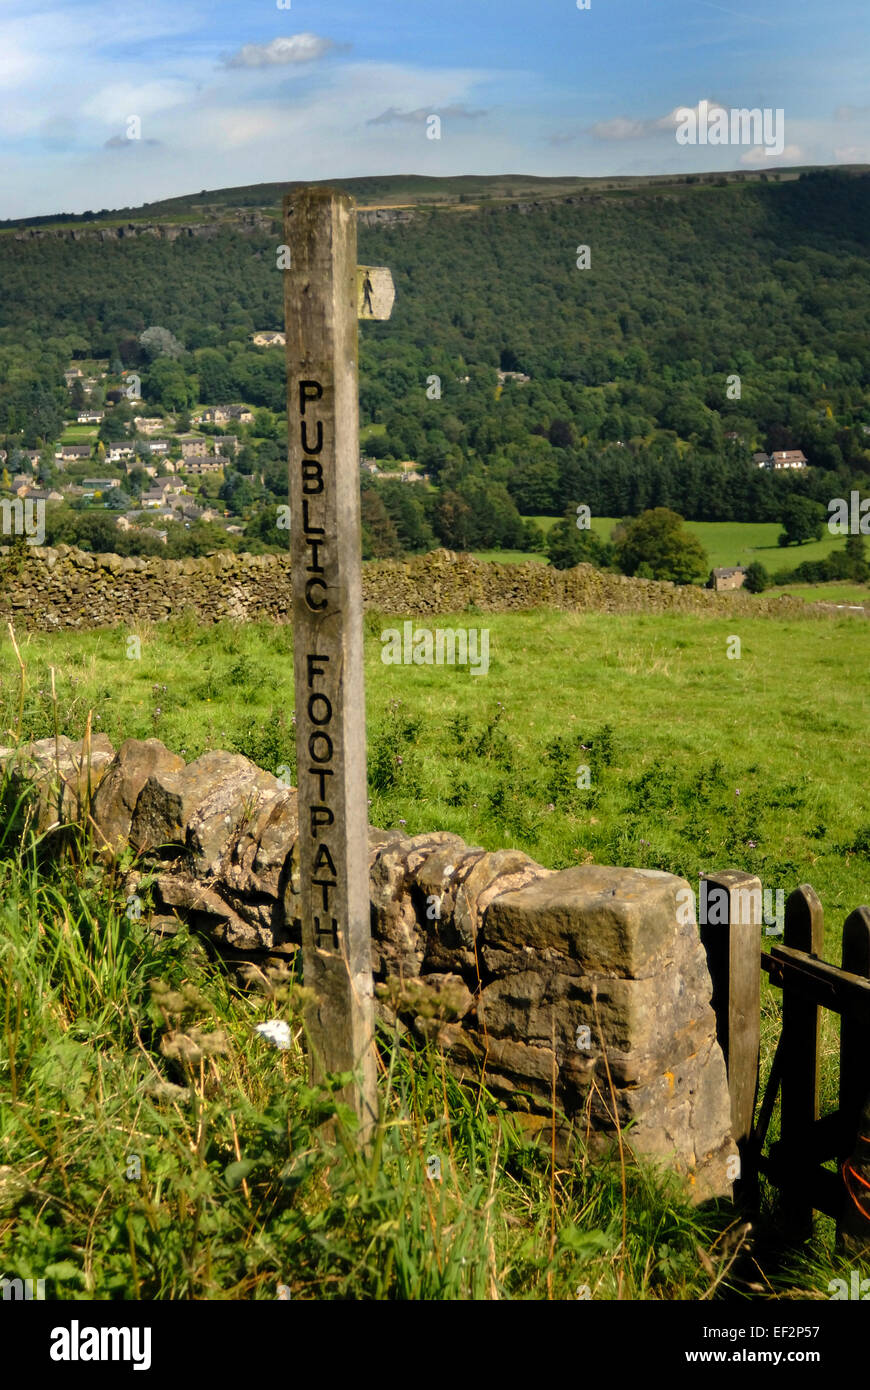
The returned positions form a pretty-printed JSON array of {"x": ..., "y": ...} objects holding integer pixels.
[
  {"x": 731, "y": 937},
  {"x": 324, "y": 294}
]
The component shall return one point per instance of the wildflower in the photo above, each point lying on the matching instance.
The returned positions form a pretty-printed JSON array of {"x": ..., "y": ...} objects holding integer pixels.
[{"x": 277, "y": 1032}]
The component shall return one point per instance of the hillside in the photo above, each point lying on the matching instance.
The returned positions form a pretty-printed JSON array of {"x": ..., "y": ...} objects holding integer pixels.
[
  {"x": 402, "y": 190},
  {"x": 717, "y": 317}
]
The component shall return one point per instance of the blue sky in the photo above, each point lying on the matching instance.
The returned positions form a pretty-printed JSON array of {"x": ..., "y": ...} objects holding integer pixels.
[{"x": 216, "y": 93}]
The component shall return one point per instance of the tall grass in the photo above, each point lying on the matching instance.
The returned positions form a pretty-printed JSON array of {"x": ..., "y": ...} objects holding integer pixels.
[{"x": 153, "y": 1145}]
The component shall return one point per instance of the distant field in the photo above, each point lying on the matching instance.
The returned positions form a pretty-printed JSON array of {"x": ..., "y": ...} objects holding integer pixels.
[
  {"x": 734, "y": 542},
  {"x": 79, "y": 434},
  {"x": 511, "y": 557},
  {"x": 828, "y": 593},
  {"x": 371, "y": 432}
]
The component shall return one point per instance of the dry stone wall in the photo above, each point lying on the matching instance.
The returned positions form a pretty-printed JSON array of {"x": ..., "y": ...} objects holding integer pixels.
[
  {"x": 68, "y": 588},
  {"x": 537, "y": 982}
]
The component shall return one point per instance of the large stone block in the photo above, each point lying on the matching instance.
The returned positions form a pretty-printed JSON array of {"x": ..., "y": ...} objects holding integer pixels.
[
  {"x": 607, "y": 919},
  {"x": 115, "y": 801},
  {"x": 201, "y": 806},
  {"x": 64, "y": 772}
]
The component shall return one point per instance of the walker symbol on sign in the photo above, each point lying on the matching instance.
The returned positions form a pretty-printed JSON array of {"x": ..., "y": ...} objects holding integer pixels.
[{"x": 376, "y": 292}]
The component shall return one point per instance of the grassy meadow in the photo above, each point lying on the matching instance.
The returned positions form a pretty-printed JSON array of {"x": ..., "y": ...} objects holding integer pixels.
[
  {"x": 733, "y": 542},
  {"x": 698, "y": 762}
]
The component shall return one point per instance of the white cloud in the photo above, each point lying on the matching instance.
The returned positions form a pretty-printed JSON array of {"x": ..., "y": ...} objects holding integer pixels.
[
  {"x": 677, "y": 116},
  {"x": 458, "y": 111},
  {"x": 237, "y": 126},
  {"x": 851, "y": 113},
  {"x": 626, "y": 128},
  {"x": 852, "y": 154},
  {"x": 619, "y": 128},
  {"x": 118, "y": 100},
  {"x": 296, "y": 48},
  {"x": 761, "y": 154}
]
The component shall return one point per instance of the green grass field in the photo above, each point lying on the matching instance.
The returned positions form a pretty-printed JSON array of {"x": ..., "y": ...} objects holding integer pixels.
[
  {"x": 698, "y": 762},
  {"x": 734, "y": 542},
  {"x": 79, "y": 434},
  {"x": 714, "y": 760},
  {"x": 511, "y": 557},
  {"x": 834, "y": 592}
]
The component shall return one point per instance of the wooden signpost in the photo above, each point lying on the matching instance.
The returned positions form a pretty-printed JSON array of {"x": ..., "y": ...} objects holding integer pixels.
[{"x": 325, "y": 293}]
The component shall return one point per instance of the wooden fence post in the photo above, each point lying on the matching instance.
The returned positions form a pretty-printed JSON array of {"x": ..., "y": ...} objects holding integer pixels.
[
  {"x": 854, "y": 1030},
  {"x": 853, "y": 1227},
  {"x": 730, "y": 913},
  {"x": 804, "y": 931}
]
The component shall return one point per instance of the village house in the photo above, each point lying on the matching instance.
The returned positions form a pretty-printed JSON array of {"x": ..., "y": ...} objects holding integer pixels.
[
  {"x": 72, "y": 453},
  {"x": 149, "y": 424},
  {"x": 192, "y": 447},
  {"x": 221, "y": 414},
  {"x": 227, "y": 444},
  {"x": 73, "y": 374},
  {"x": 727, "y": 578},
  {"x": 116, "y": 452},
  {"x": 512, "y": 376},
  {"x": 267, "y": 339},
  {"x": 157, "y": 446},
  {"x": 20, "y": 485},
  {"x": 39, "y": 494},
  {"x": 204, "y": 465},
  {"x": 789, "y": 458},
  {"x": 90, "y": 417},
  {"x": 154, "y": 497},
  {"x": 761, "y": 460},
  {"x": 100, "y": 484},
  {"x": 172, "y": 483},
  {"x": 783, "y": 458}
]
